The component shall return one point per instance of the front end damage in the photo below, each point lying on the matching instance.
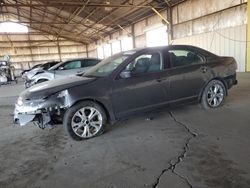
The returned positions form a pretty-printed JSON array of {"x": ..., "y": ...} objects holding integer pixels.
[{"x": 43, "y": 112}]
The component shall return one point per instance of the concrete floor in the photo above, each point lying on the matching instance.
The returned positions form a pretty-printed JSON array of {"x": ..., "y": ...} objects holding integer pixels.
[{"x": 178, "y": 148}]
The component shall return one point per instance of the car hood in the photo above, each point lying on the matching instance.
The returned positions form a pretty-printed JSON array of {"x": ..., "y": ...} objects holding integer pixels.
[
  {"x": 48, "y": 75},
  {"x": 32, "y": 72},
  {"x": 48, "y": 88}
]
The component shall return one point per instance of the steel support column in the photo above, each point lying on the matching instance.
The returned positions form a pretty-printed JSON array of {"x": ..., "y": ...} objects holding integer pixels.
[
  {"x": 59, "y": 50},
  {"x": 87, "y": 50},
  {"x": 248, "y": 38},
  {"x": 133, "y": 35},
  {"x": 170, "y": 26}
]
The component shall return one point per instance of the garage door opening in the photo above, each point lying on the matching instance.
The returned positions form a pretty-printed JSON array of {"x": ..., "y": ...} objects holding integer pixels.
[
  {"x": 157, "y": 37},
  {"x": 11, "y": 27}
]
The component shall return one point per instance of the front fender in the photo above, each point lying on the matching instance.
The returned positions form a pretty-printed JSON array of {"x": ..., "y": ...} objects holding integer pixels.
[
  {"x": 89, "y": 92},
  {"x": 44, "y": 76}
]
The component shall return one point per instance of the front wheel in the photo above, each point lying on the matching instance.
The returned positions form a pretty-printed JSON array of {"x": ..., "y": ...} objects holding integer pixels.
[
  {"x": 213, "y": 95},
  {"x": 85, "y": 120}
]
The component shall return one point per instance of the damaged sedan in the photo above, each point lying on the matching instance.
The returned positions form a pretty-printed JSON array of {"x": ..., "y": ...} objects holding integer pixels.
[{"x": 127, "y": 83}]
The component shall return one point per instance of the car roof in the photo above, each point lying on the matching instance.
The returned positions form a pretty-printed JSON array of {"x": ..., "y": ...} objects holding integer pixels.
[
  {"x": 75, "y": 59},
  {"x": 51, "y": 62},
  {"x": 203, "y": 51},
  {"x": 167, "y": 46}
]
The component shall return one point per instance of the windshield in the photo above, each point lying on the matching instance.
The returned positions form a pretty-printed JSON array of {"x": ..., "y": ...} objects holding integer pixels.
[{"x": 107, "y": 66}]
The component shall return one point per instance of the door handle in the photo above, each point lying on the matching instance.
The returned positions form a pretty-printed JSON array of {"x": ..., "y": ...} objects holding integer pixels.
[{"x": 203, "y": 69}]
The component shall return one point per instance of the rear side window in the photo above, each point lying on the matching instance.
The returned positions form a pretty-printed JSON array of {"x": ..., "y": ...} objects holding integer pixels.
[
  {"x": 180, "y": 58},
  {"x": 89, "y": 62}
]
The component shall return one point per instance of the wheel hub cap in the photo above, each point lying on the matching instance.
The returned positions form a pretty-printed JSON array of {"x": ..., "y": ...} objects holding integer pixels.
[
  {"x": 86, "y": 122},
  {"x": 215, "y": 95}
]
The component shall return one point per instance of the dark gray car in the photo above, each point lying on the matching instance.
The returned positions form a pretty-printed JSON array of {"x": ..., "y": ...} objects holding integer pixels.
[{"x": 126, "y": 83}]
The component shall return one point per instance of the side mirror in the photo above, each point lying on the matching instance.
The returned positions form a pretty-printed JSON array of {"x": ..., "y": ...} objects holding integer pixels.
[
  {"x": 61, "y": 68},
  {"x": 125, "y": 74}
]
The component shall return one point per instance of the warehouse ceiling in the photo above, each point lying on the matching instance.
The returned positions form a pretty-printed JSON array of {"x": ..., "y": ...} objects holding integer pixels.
[{"x": 83, "y": 21}]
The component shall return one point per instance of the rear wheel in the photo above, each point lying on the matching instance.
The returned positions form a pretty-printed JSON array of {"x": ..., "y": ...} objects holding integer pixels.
[
  {"x": 213, "y": 95},
  {"x": 85, "y": 120}
]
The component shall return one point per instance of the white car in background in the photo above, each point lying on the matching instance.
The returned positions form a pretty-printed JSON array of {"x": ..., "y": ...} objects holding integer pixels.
[
  {"x": 62, "y": 70},
  {"x": 28, "y": 74}
]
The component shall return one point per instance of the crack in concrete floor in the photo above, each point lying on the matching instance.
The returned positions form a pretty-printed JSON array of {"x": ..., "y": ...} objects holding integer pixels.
[{"x": 179, "y": 158}]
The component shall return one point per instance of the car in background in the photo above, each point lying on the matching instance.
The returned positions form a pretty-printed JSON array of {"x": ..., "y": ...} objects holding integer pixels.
[
  {"x": 27, "y": 70},
  {"x": 35, "y": 69},
  {"x": 7, "y": 74},
  {"x": 61, "y": 70},
  {"x": 127, "y": 83}
]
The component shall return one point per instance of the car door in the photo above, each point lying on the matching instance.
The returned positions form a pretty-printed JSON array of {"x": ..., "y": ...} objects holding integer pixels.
[
  {"x": 143, "y": 88},
  {"x": 187, "y": 73},
  {"x": 69, "y": 68}
]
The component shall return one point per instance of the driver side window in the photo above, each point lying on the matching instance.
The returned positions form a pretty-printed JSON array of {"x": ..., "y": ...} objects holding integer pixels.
[{"x": 145, "y": 63}]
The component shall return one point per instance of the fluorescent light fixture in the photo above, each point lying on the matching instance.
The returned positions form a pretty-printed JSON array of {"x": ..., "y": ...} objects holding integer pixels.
[{"x": 11, "y": 27}]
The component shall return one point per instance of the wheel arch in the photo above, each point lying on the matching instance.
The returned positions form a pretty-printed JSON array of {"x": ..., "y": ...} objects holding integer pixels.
[
  {"x": 45, "y": 79},
  {"x": 205, "y": 85},
  {"x": 109, "y": 117}
]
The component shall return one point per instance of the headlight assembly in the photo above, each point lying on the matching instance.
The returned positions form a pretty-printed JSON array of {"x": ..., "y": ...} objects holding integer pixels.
[
  {"x": 34, "y": 103},
  {"x": 62, "y": 94}
]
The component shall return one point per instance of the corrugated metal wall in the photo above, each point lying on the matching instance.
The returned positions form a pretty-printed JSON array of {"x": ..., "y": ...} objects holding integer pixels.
[
  {"x": 27, "y": 50},
  {"x": 140, "y": 29},
  {"x": 226, "y": 42},
  {"x": 217, "y": 26}
]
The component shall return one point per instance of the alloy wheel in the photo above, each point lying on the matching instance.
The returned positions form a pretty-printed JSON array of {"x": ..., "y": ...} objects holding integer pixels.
[
  {"x": 215, "y": 95},
  {"x": 86, "y": 122}
]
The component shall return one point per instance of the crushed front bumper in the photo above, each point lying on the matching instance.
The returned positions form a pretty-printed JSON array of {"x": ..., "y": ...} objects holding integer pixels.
[
  {"x": 25, "y": 114},
  {"x": 42, "y": 112}
]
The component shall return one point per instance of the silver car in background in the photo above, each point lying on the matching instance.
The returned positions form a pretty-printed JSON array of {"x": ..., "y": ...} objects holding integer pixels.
[
  {"x": 28, "y": 74},
  {"x": 62, "y": 70}
]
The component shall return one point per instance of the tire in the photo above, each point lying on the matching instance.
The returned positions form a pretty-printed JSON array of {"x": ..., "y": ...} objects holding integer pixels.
[
  {"x": 79, "y": 123},
  {"x": 214, "y": 94}
]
